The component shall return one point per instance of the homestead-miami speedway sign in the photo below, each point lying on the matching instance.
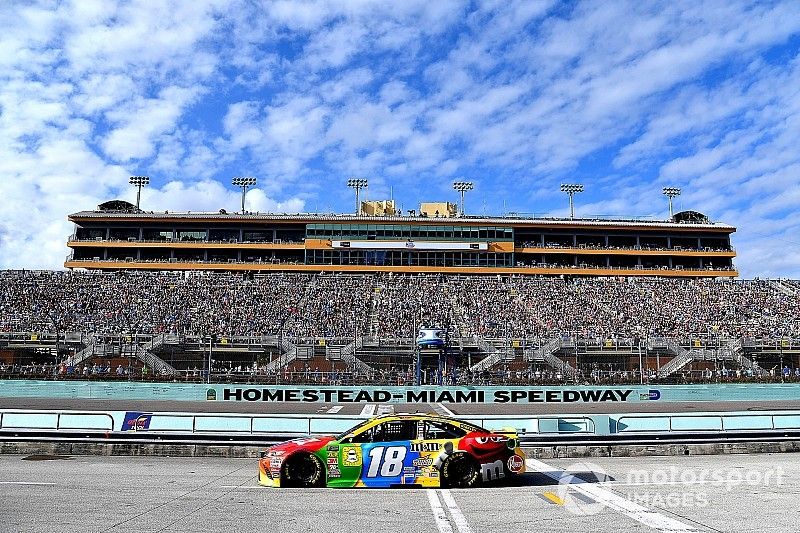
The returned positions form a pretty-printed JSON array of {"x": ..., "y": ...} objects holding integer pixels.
[
  {"x": 492, "y": 395},
  {"x": 453, "y": 395}
]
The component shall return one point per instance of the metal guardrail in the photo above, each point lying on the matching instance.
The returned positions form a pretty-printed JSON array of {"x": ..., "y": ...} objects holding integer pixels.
[
  {"x": 292, "y": 425},
  {"x": 58, "y": 421},
  {"x": 708, "y": 422}
]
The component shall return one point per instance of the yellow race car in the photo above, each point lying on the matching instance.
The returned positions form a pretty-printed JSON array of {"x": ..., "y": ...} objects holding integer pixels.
[{"x": 395, "y": 450}]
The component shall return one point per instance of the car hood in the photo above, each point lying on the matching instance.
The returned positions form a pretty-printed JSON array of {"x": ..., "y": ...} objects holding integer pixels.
[{"x": 310, "y": 444}]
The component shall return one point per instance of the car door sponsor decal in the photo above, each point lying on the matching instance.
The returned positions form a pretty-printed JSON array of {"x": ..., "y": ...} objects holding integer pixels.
[{"x": 351, "y": 456}]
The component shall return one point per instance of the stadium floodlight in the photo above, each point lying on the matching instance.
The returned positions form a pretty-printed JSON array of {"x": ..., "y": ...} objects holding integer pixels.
[
  {"x": 357, "y": 184},
  {"x": 462, "y": 187},
  {"x": 571, "y": 189},
  {"x": 139, "y": 182},
  {"x": 670, "y": 192},
  {"x": 244, "y": 182}
]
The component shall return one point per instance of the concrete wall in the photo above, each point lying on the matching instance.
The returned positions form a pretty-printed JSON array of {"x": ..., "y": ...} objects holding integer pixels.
[{"x": 543, "y": 452}]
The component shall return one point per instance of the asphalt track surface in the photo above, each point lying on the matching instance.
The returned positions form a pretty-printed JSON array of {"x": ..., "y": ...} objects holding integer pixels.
[
  {"x": 372, "y": 409},
  {"x": 727, "y": 493}
]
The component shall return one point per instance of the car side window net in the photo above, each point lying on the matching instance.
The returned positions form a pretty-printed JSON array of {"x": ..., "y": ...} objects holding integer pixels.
[{"x": 395, "y": 430}]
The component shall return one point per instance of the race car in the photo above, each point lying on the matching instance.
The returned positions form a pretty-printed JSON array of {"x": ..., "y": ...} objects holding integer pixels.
[{"x": 395, "y": 450}]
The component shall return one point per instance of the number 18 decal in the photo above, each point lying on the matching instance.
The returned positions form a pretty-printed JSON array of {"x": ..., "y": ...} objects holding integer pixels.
[{"x": 389, "y": 460}]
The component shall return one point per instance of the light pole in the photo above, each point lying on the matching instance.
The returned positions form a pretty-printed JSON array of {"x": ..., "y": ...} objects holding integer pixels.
[
  {"x": 670, "y": 192},
  {"x": 462, "y": 187},
  {"x": 446, "y": 352},
  {"x": 641, "y": 370},
  {"x": 577, "y": 365},
  {"x": 423, "y": 318},
  {"x": 571, "y": 189},
  {"x": 357, "y": 184},
  {"x": 280, "y": 346},
  {"x": 139, "y": 182},
  {"x": 658, "y": 357},
  {"x": 210, "y": 351},
  {"x": 244, "y": 182},
  {"x": 417, "y": 355}
]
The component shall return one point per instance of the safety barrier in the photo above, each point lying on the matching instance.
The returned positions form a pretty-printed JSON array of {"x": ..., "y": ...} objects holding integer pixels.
[
  {"x": 707, "y": 422},
  {"x": 58, "y": 421},
  {"x": 220, "y": 426}
]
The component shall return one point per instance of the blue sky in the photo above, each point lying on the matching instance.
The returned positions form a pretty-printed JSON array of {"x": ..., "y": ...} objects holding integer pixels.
[{"x": 518, "y": 97}]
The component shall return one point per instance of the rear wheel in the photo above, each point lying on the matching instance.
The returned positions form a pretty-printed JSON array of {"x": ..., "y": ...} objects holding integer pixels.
[
  {"x": 303, "y": 470},
  {"x": 460, "y": 471}
]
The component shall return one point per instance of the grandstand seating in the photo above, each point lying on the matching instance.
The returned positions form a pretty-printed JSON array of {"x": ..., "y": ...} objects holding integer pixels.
[
  {"x": 380, "y": 305},
  {"x": 506, "y": 329}
]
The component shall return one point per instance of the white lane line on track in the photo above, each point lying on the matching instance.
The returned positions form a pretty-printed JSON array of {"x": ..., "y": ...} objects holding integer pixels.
[
  {"x": 442, "y": 410},
  {"x": 657, "y": 521},
  {"x": 458, "y": 516},
  {"x": 368, "y": 410},
  {"x": 439, "y": 513},
  {"x": 335, "y": 409},
  {"x": 25, "y": 483}
]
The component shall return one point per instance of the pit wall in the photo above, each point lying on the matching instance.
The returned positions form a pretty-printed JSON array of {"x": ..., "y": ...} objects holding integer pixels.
[{"x": 262, "y": 426}]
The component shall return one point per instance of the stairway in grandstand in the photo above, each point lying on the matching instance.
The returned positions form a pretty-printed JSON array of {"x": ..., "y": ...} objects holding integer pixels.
[
  {"x": 457, "y": 314},
  {"x": 144, "y": 353},
  {"x": 469, "y": 335},
  {"x": 493, "y": 356},
  {"x": 682, "y": 358},
  {"x": 730, "y": 351},
  {"x": 547, "y": 353},
  {"x": 147, "y": 356},
  {"x": 287, "y": 350},
  {"x": 347, "y": 354}
]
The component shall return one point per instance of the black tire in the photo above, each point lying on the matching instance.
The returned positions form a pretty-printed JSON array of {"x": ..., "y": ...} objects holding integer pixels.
[
  {"x": 460, "y": 471},
  {"x": 303, "y": 470}
]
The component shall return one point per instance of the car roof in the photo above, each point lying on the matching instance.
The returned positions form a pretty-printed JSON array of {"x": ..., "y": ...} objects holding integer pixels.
[{"x": 423, "y": 416}]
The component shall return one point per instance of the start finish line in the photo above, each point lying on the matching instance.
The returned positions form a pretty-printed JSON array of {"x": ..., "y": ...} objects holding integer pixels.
[{"x": 445, "y": 395}]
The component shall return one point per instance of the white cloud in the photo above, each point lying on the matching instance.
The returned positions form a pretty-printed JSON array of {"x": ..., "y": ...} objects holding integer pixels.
[
  {"x": 626, "y": 97},
  {"x": 141, "y": 122},
  {"x": 211, "y": 196}
]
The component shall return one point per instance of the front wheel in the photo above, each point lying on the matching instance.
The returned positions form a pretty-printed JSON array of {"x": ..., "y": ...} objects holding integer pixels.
[
  {"x": 460, "y": 471},
  {"x": 303, "y": 471}
]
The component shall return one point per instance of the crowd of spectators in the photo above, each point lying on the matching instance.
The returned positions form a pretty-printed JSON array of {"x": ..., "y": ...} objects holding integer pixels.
[
  {"x": 628, "y": 308},
  {"x": 384, "y": 305},
  {"x": 395, "y": 376}
]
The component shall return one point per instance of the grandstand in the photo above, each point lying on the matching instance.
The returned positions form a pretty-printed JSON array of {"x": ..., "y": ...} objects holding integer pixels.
[
  {"x": 336, "y": 327},
  {"x": 332, "y": 298},
  {"x": 118, "y": 236}
]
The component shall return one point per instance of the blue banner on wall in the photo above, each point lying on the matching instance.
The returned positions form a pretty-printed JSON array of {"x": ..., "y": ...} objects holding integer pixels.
[{"x": 136, "y": 421}]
